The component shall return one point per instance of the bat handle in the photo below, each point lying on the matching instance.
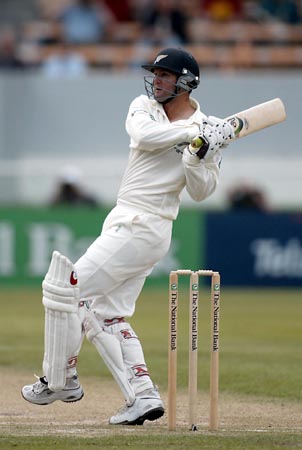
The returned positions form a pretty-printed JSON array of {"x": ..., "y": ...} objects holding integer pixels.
[
  {"x": 197, "y": 143},
  {"x": 236, "y": 122}
]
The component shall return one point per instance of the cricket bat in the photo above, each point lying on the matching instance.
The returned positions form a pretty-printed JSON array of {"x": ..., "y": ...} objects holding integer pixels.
[{"x": 253, "y": 119}]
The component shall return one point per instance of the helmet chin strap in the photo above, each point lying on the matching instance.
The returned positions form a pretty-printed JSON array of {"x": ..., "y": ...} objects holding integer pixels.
[
  {"x": 173, "y": 95},
  {"x": 167, "y": 100}
]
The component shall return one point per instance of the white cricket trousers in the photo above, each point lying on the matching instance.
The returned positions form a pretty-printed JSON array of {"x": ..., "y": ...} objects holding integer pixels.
[{"x": 113, "y": 270}]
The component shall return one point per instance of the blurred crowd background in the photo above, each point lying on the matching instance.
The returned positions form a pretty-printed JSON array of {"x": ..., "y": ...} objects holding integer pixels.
[{"x": 249, "y": 33}]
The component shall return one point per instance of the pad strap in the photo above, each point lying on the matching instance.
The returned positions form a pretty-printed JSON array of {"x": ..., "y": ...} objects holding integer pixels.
[{"x": 109, "y": 348}]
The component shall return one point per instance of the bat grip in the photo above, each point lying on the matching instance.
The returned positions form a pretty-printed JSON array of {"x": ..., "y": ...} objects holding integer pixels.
[
  {"x": 199, "y": 147},
  {"x": 197, "y": 143}
]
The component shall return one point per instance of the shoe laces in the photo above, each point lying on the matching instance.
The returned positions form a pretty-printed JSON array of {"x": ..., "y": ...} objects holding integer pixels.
[
  {"x": 40, "y": 385},
  {"x": 123, "y": 409}
]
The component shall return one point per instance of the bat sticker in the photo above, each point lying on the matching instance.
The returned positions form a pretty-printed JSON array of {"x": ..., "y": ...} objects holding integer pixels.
[{"x": 237, "y": 124}]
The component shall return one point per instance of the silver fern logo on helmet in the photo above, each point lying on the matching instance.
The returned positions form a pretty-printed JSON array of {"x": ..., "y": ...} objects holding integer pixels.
[{"x": 159, "y": 58}]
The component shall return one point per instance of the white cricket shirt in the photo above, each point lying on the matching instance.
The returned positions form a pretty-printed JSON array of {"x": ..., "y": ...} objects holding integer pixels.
[{"x": 160, "y": 165}]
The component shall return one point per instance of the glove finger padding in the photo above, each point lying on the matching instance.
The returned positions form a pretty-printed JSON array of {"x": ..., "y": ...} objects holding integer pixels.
[
  {"x": 224, "y": 129},
  {"x": 215, "y": 135},
  {"x": 212, "y": 142}
]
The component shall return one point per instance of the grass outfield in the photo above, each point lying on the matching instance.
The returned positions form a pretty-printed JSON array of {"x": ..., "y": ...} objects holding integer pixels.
[{"x": 260, "y": 364}]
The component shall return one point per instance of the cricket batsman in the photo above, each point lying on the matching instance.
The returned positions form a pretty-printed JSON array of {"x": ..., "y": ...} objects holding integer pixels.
[{"x": 96, "y": 296}]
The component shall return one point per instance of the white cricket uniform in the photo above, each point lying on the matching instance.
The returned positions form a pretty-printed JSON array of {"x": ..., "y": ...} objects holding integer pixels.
[{"x": 137, "y": 232}]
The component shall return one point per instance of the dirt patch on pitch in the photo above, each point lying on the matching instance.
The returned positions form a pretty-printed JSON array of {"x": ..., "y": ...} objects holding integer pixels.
[{"x": 89, "y": 417}]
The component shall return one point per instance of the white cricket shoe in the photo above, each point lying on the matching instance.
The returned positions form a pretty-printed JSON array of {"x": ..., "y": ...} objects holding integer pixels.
[
  {"x": 148, "y": 406},
  {"x": 40, "y": 394}
]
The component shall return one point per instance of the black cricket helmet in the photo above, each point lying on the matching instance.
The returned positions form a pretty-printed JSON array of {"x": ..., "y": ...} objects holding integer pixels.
[{"x": 177, "y": 61}]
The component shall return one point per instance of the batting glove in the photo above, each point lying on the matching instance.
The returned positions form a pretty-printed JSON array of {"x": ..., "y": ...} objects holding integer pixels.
[{"x": 215, "y": 134}]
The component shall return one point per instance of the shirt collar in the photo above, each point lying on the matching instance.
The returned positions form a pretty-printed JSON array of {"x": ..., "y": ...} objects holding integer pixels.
[{"x": 191, "y": 119}]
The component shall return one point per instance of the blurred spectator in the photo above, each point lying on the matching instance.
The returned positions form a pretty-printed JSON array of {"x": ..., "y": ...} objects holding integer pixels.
[
  {"x": 164, "y": 24},
  {"x": 120, "y": 9},
  {"x": 70, "y": 192},
  {"x": 222, "y": 10},
  {"x": 288, "y": 11},
  {"x": 138, "y": 9},
  {"x": 9, "y": 51},
  {"x": 86, "y": 22},
  {"x": 245, "y": 197},
  {"x": 65, "y": 62},
  {"x": 50, "y": 10},
  {"x": 285, "y": 10}
]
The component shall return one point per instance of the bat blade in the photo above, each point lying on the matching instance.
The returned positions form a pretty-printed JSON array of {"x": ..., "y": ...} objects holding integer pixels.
[
  {"x": 258, "y": 117},
  {"x": 253, "y": 119}
]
